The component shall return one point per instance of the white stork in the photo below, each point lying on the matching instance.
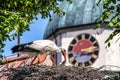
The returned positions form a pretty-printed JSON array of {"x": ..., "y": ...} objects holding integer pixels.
[{"x": 39, "y": 47}]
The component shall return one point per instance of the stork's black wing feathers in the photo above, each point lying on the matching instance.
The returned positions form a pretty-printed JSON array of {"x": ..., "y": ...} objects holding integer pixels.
[{"x": 24, "y": 48}]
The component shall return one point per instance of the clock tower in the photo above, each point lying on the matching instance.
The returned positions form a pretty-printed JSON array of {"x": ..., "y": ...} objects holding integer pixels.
[{"x": 75, "y": 32}]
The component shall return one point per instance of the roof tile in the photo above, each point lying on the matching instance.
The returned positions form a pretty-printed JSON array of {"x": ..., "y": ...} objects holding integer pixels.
[{"x": 21, "y": 61}]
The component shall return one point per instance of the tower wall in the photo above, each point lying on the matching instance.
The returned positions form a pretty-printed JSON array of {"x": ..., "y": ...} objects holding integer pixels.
[{"x": 107, "y": 56}]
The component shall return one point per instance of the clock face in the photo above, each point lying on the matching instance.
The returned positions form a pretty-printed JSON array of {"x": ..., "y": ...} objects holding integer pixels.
[{"x": 83, "y": 50}]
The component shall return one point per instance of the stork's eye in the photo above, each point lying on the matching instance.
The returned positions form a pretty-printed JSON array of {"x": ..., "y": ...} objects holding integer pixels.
[{"x": 64, "y": 50}]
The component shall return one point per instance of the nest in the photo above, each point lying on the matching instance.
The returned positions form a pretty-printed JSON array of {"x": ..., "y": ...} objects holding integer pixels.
[{"x": 56, "y": 73}]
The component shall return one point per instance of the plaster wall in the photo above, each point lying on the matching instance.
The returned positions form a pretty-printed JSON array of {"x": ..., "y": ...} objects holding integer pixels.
[{"x": 107, "y": 56}]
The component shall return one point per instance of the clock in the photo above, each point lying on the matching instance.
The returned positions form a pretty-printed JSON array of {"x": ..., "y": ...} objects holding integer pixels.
[{"x": 83, "y": 50}]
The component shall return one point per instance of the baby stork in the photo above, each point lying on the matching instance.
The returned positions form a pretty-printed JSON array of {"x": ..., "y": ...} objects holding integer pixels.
[{"x": 39, "y": 47}]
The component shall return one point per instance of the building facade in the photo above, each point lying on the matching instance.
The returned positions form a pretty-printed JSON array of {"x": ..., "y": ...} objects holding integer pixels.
[{"x": 75, "y": 32}]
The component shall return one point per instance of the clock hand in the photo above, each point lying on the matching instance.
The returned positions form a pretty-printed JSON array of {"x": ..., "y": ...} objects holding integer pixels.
[{"x": 89, "y": 49}]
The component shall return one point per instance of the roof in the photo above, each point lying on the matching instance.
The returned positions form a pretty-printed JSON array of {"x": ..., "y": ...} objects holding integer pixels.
[
  {"x": 78, "y": 12},
  {"x": 16, "y": 62}
]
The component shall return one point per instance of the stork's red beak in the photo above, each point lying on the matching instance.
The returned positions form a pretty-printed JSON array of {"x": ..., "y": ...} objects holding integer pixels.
[{"x": 64, "y": 54}]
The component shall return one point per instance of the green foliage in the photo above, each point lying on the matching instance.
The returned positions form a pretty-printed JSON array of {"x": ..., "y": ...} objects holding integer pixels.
[
  {"x": 117, "y": 77},
  {"x": 1, "y": 57},
  {"x": 111, "y": 12},
  {"x": 16, "y": 16}
]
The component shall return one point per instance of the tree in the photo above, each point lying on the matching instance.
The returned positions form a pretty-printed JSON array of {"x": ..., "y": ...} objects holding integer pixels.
[
  {"x": 16, "y": 16},
  {"x": 1, "y": 57},
  {"x": 111, "y": 12}
]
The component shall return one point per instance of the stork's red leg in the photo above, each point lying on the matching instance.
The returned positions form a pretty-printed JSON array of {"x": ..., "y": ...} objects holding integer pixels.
[{"x": 53, "y": 61}]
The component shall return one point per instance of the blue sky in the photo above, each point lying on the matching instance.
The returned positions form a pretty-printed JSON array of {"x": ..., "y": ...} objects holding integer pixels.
[{"x": 36, "y": 33}]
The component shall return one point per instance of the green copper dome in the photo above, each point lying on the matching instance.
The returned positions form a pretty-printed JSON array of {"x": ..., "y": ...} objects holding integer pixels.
[{"x": 79, "y": 12}]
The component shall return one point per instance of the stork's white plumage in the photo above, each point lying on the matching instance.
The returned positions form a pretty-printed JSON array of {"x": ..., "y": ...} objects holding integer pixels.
[{"x": 38, "y": 47}]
